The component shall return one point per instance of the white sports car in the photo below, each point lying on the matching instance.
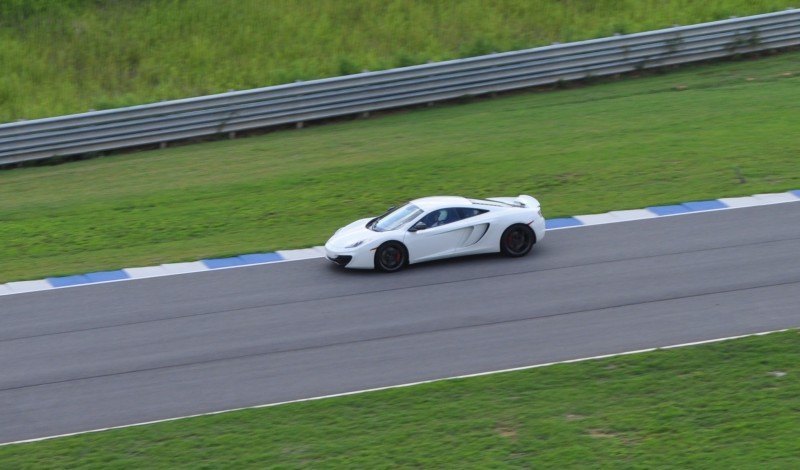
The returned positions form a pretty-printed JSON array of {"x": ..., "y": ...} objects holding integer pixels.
[{"x": 438, "y": 227}]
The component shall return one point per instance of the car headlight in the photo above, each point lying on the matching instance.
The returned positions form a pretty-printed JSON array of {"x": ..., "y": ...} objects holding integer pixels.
[{"x": 353, "y": 245}]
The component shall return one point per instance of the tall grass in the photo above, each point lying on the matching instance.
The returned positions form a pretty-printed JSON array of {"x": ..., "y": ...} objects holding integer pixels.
[{"x": 66, "y": 56}]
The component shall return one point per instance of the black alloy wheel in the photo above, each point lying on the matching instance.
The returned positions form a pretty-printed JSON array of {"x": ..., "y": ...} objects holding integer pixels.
[
  {"x": 517, "y": 240},
  {"x": 390, "y": 257}
]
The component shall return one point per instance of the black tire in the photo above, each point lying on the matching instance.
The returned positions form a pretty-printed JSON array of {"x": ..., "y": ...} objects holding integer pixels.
[
  {"x": 517, "y": 240},
  {"x": 391, "y": 257}
]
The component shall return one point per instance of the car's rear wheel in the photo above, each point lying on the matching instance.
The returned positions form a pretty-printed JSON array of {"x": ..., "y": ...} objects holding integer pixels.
[
  {"x": 390, "y": 257},
  {"x": 517, "y": 240}
]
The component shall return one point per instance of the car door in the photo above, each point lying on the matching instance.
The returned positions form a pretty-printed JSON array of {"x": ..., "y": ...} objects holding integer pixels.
[{"x": 439, "y": 240}]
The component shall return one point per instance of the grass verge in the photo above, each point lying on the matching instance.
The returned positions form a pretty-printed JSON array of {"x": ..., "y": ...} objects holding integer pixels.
[
  {"x": 69, "y": 56},
  {"x": 732, "y": 404},
  {"x": 705, "y": 132}
]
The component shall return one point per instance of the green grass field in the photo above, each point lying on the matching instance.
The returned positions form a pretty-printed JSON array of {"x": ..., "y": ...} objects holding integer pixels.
[
  {"x": 69, "y": 56},
  {"x": 732, "y": 404},
  {"x": 731, "y": 130}
]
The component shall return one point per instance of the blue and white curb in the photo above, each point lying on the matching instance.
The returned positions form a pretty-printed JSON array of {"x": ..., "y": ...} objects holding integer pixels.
[
  {"x": 318, "y": 251},
  {"x": 169, "y": 269},
  {"x": 675, "y": 209}
]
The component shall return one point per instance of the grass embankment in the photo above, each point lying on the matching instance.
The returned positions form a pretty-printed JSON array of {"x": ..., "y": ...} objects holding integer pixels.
[
  {"x": 733, "y": 404},
  {"x": 732, "y": 130},
  {"x": 69, "y": 56}
]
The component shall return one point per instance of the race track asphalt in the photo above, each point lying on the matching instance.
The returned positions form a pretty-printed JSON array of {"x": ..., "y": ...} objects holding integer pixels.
[{"x": 120, "y": 353}]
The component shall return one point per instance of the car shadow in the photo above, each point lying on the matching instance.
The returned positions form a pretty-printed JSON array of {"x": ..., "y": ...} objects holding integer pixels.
[{"x": 466, "y": 261}]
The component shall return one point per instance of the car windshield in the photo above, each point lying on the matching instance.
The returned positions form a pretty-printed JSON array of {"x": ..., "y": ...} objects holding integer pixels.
[{"x": 395, "y": 219}]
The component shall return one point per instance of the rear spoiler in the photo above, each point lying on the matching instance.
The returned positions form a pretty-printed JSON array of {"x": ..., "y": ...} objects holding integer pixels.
[{"x": 523, "y": 200}]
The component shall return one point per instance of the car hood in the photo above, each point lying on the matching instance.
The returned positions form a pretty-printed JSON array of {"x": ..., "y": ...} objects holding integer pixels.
[{"x": 352, "y": 233}]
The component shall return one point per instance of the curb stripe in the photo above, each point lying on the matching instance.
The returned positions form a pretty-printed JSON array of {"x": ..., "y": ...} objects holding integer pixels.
[
  {"x": 705, "y": 205},
  {"x": 562, "y": 223},
  {"x": 669, "y": 210},
  {"x": 103, "y": 276},
  {"x": 215, "y": 263}
]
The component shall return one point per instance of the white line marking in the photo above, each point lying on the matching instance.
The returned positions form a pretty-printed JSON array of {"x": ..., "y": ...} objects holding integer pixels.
[
  {"x": 596, "y": 219},
  {"x": 21, "y": 287},
  {"x": 774, "y": 198},
  {"x": 302, "y": 253},
  {"x": 737, "y": 202},
  {"x": 184, "y": 268},
  {"x": 411, "y": 384},
  {"x": 633, "y": 214},
  {"x": 146, "y": 271}
]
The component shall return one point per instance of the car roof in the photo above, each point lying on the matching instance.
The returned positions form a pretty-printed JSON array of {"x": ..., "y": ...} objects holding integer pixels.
[{"x": 438, "y": 202}]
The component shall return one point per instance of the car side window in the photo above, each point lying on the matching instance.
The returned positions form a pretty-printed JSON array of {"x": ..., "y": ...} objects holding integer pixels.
[
  {"x": 467, "y": 212},
  {"x": 441, "y": 217}
]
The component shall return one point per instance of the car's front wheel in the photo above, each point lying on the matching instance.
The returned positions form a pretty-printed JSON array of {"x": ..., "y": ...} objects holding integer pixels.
[
  {"x": 517, "y": 240},
  {"x": 390, "y": 257}
]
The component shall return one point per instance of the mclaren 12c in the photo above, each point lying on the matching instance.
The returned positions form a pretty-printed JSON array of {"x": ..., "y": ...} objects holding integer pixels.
[{"x": 439, "y": 227}]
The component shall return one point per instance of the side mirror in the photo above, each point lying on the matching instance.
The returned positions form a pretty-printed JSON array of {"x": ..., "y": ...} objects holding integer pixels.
[
  {"x": 391, "y": 209},
  {"x": 419, "y": 226}
]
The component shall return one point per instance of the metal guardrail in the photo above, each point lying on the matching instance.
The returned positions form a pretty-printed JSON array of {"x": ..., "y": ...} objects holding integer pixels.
[{"x": 371, "y": 91}]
